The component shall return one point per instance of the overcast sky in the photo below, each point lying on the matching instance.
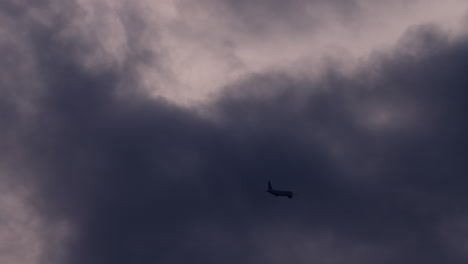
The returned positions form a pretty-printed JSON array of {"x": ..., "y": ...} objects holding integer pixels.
[{"x": 146, "y": 131}]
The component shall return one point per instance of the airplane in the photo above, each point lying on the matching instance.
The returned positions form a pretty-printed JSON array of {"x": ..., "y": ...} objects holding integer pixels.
[{"x": 274, "y": 192}]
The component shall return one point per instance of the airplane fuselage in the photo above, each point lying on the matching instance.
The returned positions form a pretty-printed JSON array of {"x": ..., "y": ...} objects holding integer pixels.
[
  {"x": 281, "y": 193},
  {"x": 274, "y": 192}
]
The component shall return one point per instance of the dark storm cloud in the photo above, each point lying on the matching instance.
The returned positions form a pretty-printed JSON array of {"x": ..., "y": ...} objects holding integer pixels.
[{"x": 377, "y": 159}]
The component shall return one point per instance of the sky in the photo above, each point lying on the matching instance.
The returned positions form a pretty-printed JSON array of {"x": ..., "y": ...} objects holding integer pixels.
[{"x": 146, "y": 131}]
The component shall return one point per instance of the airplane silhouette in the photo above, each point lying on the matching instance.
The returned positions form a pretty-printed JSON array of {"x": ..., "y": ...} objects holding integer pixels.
[{"x": 274, "y": 192}]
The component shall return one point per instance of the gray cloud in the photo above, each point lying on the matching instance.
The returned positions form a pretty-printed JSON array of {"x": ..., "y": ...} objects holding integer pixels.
[
  {"x": 209, "y": 44},
  {"x": 377, "y": 157}
]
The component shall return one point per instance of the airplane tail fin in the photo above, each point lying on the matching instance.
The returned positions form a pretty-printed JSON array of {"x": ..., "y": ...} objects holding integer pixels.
[{"x": 269, "y": 185}]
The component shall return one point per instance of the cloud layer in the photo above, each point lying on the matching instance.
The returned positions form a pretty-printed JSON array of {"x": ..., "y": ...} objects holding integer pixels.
[{"x": 110, "y": 174}]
